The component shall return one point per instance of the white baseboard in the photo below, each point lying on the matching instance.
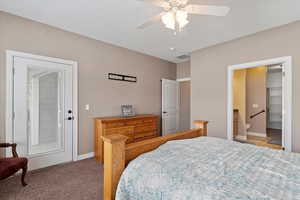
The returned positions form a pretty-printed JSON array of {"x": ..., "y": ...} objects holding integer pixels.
[
  {"x": 86, "y": 156},
  {"x": 257, "y": 134},
  {"x": 241, "y": 137}
]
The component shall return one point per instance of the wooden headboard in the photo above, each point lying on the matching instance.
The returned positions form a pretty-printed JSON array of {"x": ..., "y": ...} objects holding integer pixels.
[{"x": 117, "y": 153}]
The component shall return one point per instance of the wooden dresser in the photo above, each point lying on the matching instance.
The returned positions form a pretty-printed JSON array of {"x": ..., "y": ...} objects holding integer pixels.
[{"x": 136, "y": 128}]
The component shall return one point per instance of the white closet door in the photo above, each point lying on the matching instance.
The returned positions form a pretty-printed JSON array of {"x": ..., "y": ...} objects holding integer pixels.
[{"x": 170, "y": 106}]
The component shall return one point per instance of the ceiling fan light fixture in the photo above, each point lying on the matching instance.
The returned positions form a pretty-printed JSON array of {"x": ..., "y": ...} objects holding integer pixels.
[
  {"x": 176, "y": 12},
  {"x": 181, "y": 18},
  {"x": 183, "y": 2},
  {"x": 169, "y": 20}
]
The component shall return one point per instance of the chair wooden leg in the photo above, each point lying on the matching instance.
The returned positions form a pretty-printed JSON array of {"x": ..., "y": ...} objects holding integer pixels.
[{"x": 24, "y": 171}]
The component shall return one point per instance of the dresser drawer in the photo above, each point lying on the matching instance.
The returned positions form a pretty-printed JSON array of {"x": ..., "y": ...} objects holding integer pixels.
[
  {"x": 134, "y": 122},
  {"x": 146, "y": 124},
  {"x": 153, "y": 120},
  {"x": 145, "y": 134},
  {"x": 114, "y": 124},
  {"x": 141, "y": 129}
]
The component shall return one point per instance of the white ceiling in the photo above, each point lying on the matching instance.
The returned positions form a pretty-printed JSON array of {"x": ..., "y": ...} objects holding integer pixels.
[{"x": 115, "y": 22}]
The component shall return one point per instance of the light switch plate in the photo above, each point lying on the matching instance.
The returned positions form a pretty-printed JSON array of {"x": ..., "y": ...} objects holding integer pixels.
[
  {"x": 87, "y": 107},
  {"x": 255, "y": 106}
]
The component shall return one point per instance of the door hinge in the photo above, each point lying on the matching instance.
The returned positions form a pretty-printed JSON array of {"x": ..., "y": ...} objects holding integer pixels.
[
  {"x": 13, "y": 116},
  {"x": 13, "y": 71},
  {"x": 283, "y": 74}
]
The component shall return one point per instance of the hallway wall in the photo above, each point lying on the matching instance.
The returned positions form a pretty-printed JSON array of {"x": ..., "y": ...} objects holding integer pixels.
[
  {"x": 185, "y": 105},
  {"x": 256, "y": 98},
  {"x": 239, "y": 99}
]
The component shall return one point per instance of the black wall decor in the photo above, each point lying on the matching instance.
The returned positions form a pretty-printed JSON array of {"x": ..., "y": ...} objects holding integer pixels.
[{"x": 120, "y": 77}]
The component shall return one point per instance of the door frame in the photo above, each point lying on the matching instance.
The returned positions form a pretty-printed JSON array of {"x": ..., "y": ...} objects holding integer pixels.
[
  {"x": 288, "y": 94},
  {"x": 9, "y": 95}
]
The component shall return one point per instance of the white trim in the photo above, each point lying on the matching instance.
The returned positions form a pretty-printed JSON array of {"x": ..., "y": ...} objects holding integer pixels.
[
  {"x": 75, "y": 111},
  {"x": 42, "y": 58},
  {"x": 288, "y": 105},
  {"x": 9, "y": 94},
  {"x": 34, "y": 114},
  {"x": 183, "y": 79},
  {"x": 86, "y": 156},
  {"x": 257, "y": 134},
  {"x": 287, "y": 64},
  {"x": 9, "y": 100}
]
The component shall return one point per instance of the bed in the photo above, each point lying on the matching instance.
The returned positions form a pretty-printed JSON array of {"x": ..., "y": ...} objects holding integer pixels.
[{"x": 202, "y": 168}]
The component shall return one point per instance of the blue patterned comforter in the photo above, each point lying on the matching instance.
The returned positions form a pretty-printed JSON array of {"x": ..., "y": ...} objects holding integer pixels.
[{"x": 208, "y": 168}]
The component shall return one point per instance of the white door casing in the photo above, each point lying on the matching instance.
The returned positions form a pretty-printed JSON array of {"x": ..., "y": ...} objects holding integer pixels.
[
  {"x": 170, "y": 106},
  {"x": 287, "y": 104},
  {"x": 283, "y": 118},
  {"x": 32, "y": 79},
  {"x": 286, "y": 101}
]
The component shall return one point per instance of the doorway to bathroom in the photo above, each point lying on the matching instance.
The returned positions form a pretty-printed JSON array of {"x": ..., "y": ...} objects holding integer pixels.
[{"x": 259, "y": 99}]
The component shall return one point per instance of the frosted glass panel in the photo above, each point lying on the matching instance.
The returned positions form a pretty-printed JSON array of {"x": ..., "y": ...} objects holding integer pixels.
[
  {"x": 48, "y": 108},
  {"x": 45, "y": 109}
]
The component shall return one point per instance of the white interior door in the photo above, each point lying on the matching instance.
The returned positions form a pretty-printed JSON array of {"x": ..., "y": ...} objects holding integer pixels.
[
  {"x": 170, "y": 106},
  {"x": 42, "y": 106}
]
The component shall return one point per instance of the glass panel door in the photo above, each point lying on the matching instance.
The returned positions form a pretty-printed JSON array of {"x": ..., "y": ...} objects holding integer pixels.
[
  {"x": 45, "y": 122},
  {"x": 43, "y": 111}
]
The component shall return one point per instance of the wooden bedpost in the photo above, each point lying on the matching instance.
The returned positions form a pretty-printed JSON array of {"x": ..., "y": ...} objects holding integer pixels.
[
  {"x": 202, "y": 125},
  {"x": 114, "y": 164}
]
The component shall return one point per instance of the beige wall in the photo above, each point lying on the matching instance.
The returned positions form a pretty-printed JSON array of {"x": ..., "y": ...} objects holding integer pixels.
[
  {"x": 95, "y": 59},
  {"x": 256, "y": 94},
  {"x": 239, "y": 98},
  {"x": 184, "y": 70},
  {"x": 185, "y": 105},
  {"x": 209, "y": 74}
]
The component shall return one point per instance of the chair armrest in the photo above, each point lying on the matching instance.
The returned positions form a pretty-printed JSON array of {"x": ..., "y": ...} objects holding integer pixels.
[{"x": 13, "y": 146}]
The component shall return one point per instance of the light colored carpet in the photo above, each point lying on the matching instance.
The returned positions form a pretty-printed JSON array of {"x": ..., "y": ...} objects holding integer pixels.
[{"x": 80, "y": 180}]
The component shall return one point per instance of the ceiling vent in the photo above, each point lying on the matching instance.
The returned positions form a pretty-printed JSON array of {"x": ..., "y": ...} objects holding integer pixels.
[{"x": 183, "y": 57}]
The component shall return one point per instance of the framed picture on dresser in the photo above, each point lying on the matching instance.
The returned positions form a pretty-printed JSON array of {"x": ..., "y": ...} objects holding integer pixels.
[{"x": 127, "y": 111}]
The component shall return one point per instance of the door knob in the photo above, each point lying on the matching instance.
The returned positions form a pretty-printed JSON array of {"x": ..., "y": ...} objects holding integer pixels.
[
  {"x": 165, "y": 112},
  {"x": 70, "y": 118}
]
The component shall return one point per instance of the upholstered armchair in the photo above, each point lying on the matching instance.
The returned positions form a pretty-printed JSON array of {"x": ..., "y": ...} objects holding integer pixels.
[{"x": 9, "y": 166}]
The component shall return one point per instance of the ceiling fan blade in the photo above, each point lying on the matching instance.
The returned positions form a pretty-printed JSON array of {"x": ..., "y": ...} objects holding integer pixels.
[
  {"x": 151, "y": 21},
  {"x": 207, "y": 10},
  {"x": 159, "y": 3}
]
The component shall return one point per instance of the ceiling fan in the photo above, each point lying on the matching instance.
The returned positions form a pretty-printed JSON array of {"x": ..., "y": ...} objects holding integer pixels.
[{"x": 175, "y": 14}]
